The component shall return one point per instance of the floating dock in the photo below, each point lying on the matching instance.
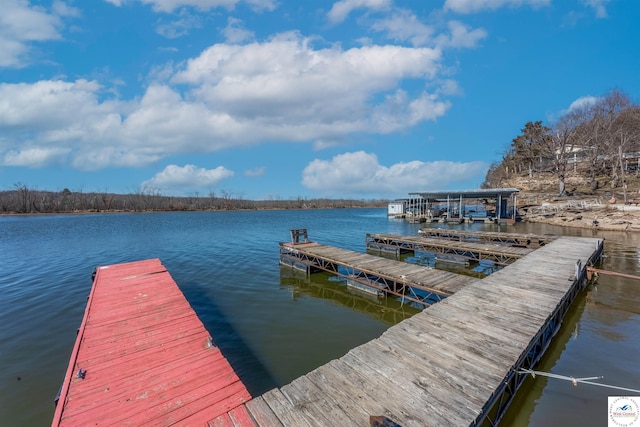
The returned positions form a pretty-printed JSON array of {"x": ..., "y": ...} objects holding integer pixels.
[
  {"x": 459, "y": 362},
  {"x": 142, "y": 357},
  {"x": 498, "y": 253},
  {"x": 415, "y": 283},
  {"x": 510, "y": 239}
]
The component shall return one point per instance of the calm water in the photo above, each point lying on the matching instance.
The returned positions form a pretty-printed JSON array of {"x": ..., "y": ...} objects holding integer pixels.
[{"x": 273, "y": 324}]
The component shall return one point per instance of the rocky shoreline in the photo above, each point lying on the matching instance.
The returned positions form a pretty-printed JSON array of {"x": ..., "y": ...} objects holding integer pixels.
[{"x": 615, "y": 217}]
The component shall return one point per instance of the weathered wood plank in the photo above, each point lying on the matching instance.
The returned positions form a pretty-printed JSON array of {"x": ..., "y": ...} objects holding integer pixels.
[
  {"x": 443, "y": 365},
  {"x": 262, "y": 413},
  {"x": 241, "y": 417},
  {"x": 463, "y": 347},
  {"x": 353, "y": 399},
  {"x": 287, "y": 413},
  {"x": 400, "y": 405},
  {"x": 411, "y": 403},
  {"x": 446, "y": 371},
  {"x": 303, "y": 392},
  {"x": 429, "y": 387}
]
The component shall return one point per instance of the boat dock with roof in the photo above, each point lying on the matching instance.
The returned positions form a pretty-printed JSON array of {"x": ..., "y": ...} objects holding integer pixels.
[{"x": 498, "y": 205}]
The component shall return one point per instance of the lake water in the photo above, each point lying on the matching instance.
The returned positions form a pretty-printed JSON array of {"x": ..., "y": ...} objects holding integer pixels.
[{"x": 273, "y": 324}]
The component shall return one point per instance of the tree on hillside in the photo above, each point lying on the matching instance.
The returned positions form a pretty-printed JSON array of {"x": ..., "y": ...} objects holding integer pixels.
[
  {"x": 528, "y": 147},
  {"x": 595, "y": 129},
  {"x": 561, "y": 146},
  {"x": 598, "y": 138},
  {"x": 626, "y": 137},
  {"x": 494, "y": 176}
]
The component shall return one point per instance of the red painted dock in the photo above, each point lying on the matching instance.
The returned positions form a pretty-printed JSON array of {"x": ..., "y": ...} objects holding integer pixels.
[{"x": 147, "y": 358}]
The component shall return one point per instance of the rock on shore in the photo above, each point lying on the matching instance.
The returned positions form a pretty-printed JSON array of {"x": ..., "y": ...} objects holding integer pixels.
[{"x": 606, "y": 217}]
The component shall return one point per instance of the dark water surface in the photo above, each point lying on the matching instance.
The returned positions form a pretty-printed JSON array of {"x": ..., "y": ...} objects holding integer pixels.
[{"x": 273, "y": 324}]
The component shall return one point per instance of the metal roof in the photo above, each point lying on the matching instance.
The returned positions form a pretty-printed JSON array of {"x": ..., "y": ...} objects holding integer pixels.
[{"x": 482, "y": 193}]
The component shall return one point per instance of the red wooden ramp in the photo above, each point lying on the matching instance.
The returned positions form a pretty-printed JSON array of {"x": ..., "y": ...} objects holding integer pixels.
[{"x": 143, "y": 358}]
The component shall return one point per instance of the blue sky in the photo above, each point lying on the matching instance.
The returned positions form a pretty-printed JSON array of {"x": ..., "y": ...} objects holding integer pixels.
[{"x": 277, "y": 99}]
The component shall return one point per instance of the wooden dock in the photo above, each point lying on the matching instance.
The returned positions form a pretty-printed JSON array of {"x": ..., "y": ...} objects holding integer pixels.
[
  {"x": 457, "y": 363},
  {"x": 498, "y": 253},
  {"x": 510, "y": 239},
  {"x": 142, "y": 357},
  {"x": 419, "y": 284}
]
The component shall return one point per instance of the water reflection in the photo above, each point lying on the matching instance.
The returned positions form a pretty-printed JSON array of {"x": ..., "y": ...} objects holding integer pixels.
[{"x": 332, "y": 288}]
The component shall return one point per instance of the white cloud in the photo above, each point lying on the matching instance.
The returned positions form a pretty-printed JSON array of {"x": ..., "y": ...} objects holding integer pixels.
[
  {"x": 34, "y": 157},
  {"x": 472, "y": 6},
  {"x": 450, "y": 87},
  {"x": 599, "y": 6},
  {"x": 168, "y": 6},
  {"x": 285, "y": 81},
  {"x": 22, "y": 24},
  {"x": 234, "y": 32},
  {"x": 322, "y": 144},
  {"x": 60, "y": 8},
  {"x": 236, "y": 95},
  {"x": 262, "y": 5},
  {"x": 175, "y": 179},
  {"x": 341, "y": 9},
  {"x": 179, "y": 27},
  {"x": 161, "y": 73},
  {"x": 403, "y": 25},
  {"x": 461, "y": 36},
  {"x": 582, "y": 102},
  {"x": 48, "y": 105},
  {"x": 12, "y": 52},
  {"x": 259, "y": 171},
  {"x": 361, "y": 173},
  {"x": 398, "y": 112}
]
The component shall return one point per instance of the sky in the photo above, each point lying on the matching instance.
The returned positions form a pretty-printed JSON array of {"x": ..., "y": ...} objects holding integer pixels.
[{"x": 283, "y": 99}]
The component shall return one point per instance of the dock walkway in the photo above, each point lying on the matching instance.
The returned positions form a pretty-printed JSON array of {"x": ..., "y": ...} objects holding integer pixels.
[
  {"x": 454, "y": 364},
  {"x": 142, "y": 357},
  {"x": 512, "y": 239},
  {"x": 415, "y": 283},
  {"x": 499, "y": 253}
]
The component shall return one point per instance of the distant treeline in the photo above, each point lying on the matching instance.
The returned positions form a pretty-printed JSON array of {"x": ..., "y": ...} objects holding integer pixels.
[
  {"x": 24, "y": 200},
  {"x": 600, "y": 140}
]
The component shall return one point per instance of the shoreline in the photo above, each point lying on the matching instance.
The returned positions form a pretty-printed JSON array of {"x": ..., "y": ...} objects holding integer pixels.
[
  {"x": 108, "y": 212},
  {"x": 609, "y": 217}
]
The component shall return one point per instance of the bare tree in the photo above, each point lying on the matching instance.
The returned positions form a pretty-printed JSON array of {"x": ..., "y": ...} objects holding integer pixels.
[
  {"x": 23, "y": 197},
  {"x": 561, "y": 144},
  {"x": 627, "y": 137}
]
